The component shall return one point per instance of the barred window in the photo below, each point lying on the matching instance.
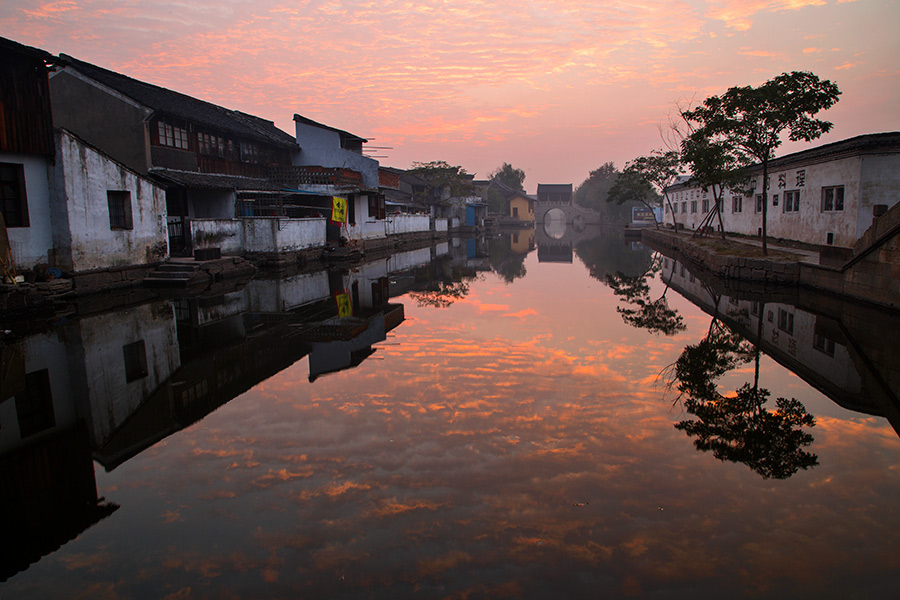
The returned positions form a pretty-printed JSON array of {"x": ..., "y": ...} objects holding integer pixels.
[{"x": 119, "y": 202}]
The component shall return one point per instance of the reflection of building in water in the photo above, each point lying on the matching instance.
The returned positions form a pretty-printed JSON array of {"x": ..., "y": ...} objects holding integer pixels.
[{"x": 855, "y": 361}]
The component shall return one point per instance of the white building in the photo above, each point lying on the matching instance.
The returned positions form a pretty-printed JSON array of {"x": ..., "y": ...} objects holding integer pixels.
[
  {"x": 103, "y": 214},
  {"x": 348, "y": 173},
  {"x": 825, "y": 195}
]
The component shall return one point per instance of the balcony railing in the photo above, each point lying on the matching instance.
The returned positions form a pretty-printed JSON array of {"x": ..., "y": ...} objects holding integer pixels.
[{"x": 296, "y": 177}]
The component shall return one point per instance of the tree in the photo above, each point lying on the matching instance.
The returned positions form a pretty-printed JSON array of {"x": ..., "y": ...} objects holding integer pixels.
[
  {"x": 750, "y": 120},
  {"x": 504, "y": 181},
  {"x": 631, "y": 187},
  {"x": 510, "y": 176},
  {"x": 441, "y": 177},
  {"x": 660, "y": 170},
  {"x": 593, "y": 191},
  {"x": 715, "y": 166}
]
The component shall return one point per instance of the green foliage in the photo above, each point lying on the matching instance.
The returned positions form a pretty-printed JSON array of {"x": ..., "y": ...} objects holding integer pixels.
[
  {"x": 593, "y": 191},
  {"x": 440, "y": 176},
  {"x": 745, "y": 123},
  {"x": 510, "y": 176}
]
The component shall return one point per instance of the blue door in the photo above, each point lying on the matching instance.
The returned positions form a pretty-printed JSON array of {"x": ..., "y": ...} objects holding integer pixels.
[{"x": 470, "y": 216}]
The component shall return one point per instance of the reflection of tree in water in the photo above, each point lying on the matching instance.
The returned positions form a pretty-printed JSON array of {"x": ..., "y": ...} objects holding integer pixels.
[
  {"x": 441, "y": 294},
  {"x": 609, "y": 253},
  {"x": 642, "y": 311},
  {"x": 740, "y": 428},
  {"x": 506, "y": 263},
  {"x": 449, "y": 287}
]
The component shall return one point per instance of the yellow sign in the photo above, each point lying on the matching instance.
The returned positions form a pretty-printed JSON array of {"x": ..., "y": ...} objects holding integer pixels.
[
  {"x": 344, "y": 305},
  {"x": 338, "y": 210}
]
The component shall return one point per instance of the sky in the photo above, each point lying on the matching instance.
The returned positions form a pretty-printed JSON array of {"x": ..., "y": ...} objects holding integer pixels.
[{"x": 554, "y": 87}]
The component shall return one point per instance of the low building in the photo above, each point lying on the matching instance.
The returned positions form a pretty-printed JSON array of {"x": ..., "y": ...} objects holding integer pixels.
[
  {"x": 521, "y": 207},
  {"x": 66, "y": 205},
  {"x": 825, "y": 195},
  {"x": 103, "y": 214}
]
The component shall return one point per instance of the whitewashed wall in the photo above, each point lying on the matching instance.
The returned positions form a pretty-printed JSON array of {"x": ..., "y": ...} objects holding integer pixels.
[
  {"x": 868, "y": 180},
  {"x": 30, "y": 245},
  {"x": 406, "y": 223},
  {"x": 82, "y": 230},
  {"x": 258, "y": 234}
]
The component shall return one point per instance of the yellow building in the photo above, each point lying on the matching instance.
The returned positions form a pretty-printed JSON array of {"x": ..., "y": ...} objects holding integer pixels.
[{"x": 521, "y": 207}]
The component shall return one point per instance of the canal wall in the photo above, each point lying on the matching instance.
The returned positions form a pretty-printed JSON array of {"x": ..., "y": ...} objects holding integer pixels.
[{"x": 871, "y": 275}]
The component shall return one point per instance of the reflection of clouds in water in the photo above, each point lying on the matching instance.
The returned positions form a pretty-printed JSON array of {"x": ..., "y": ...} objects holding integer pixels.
[{"x": 472, "y": 460}]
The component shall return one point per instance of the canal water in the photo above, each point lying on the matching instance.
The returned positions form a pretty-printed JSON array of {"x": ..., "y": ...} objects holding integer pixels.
[{"x": 572, "y": 416}]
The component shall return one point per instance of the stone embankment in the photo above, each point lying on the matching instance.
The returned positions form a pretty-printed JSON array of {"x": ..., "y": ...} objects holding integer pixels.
[{"x": 870, "y": 274}]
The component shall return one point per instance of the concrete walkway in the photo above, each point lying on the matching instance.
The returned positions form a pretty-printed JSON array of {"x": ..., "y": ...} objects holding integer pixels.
[{"x": 810, "y": 257}]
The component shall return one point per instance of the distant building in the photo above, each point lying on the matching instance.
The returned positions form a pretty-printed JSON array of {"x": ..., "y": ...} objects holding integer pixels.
[
  {"x": 824, "y": 195},
  {"x": 554, "y": 193},
  {"x": 521, "y": 207}
]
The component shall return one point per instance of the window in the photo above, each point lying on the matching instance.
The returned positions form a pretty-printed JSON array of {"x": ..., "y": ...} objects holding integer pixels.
[
  {"x": 737, "y": 204},
  {"x": 135, "y": 361},
  {"x": 792, "y": 201},
  {"x": 833, "y": 198},
  {"x": 376, "y": 206},
  {"x": 172, "y": 135},
  {"x": 213, "y": 145},
  {"x": 759, "y": 203},
  {"x": 693, "y": 206},
  {"x": 705, "y": 205},
  {"x": 515, "y": 211},
  {"x": 683, "y": 207},
  {"x": 119, "y": 209},
  {"x": 13, "y": 203},
  {"x": 249, "y": 153},
  {"x": 786, "y": 321},
  {"x": 823, "y": 344}
]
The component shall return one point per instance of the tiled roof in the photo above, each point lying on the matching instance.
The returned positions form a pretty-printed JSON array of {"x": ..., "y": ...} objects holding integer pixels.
[
  {"x": 184, "y": 107},
  {"x": 212, "y": 181}
]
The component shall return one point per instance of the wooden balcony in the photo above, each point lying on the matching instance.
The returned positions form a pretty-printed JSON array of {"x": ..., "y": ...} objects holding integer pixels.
[{"x": 296, "y": 177}]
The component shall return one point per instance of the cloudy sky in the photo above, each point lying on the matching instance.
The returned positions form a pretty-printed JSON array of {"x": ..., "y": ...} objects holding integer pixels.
[{"x": 554, "y": 87}]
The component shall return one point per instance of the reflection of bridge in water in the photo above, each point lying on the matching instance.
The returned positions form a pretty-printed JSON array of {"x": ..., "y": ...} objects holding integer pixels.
[{"x": 556, "y": 240}]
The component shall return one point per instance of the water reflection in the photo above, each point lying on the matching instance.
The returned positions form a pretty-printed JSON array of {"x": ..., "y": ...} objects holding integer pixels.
[
  {"x": 110, "y": 385},
  {"x": 738, "y": 426},
  {"x": 847, "y": 350},
  {"x": 511, "y": 444}
]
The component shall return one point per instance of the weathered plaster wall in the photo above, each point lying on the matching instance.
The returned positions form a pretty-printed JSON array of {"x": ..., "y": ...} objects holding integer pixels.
[
  {"x": 225, "y": 234},
  {"x": 322, "y": 147},
  {"x": 30, "y": 245},
  {"x": 258, "y": 234},
  {"x": 867, "y": 179},
  {"x": 284, "y": 294},
  {"x": 880, "y": 185},
  {"x": 102, "y": 339},
  {"x": 41, "y": 351},
  {"x": 366, "y": 227},
  {"x": 406, "y": 223},
  {"x": 87, "y": 177}
]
